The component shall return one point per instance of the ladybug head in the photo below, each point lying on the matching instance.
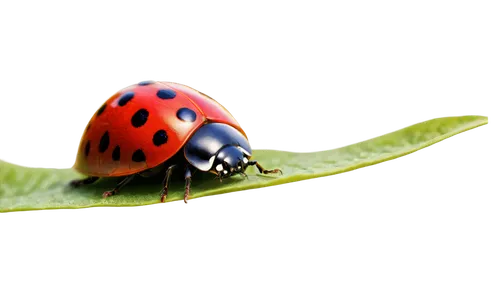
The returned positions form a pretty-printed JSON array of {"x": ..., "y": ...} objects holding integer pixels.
[
  {"x": 218, "y": 148},
  {"x": 230, "y": 160}
]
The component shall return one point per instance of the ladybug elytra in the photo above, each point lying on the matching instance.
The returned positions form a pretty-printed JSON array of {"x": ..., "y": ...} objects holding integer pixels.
[{"x": 154, "y": 127}]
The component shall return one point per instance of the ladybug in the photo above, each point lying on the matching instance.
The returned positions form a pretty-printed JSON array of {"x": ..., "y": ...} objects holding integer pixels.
[{"x": 154, "y": 127}]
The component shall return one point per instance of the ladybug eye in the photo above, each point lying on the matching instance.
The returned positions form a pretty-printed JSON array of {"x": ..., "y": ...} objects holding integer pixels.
[{"x": 219, "y": 168}]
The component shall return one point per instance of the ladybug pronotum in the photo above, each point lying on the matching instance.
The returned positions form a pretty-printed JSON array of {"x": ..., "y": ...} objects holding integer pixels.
[{"x": 154, "y": 127}]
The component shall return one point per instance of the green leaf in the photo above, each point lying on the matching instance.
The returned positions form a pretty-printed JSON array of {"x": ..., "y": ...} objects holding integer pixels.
[{"x": 24, "y": 188}]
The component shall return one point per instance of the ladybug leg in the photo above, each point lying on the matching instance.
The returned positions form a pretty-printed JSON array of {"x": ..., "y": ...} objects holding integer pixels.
[
  {"x": 187, "y": 176},
  {"x": 166, "y": 181},
  {"x": 120, "y": 185},
  {"x": 262, "y": 170},
  {"x": 82, "y": 182},
  {"x": 242, "y": 173},
  {"x": 219, "y": 176}
]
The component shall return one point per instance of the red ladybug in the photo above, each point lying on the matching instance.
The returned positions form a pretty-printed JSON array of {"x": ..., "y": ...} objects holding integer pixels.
[{"x": 156, "y": 127}]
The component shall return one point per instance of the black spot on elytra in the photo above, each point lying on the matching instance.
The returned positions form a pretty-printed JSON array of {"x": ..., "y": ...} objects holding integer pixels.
[
  {"x": 104, "y": 143},
  {"x": 186, "y": 114},
  {"x": 146, "y": 82},
  {"x": 125, "y": 98},
  {"x": 138, "y": 156},
  {"x": 87, "y": 148},
  {"x": 116, "y": 153},
  {"x": 166, "y": 93},
  {"x": 87, "y": 129},
  {"x": 160, "y": 137},
  {"x": 101, "y": 110},
  {"x": 140, "y": 118}
]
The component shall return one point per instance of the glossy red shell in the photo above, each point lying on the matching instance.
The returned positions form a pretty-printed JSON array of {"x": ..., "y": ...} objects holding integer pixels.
[{"x": 116, "y": 121}]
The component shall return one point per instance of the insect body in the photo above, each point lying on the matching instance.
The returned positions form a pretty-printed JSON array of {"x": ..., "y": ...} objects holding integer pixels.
[{"x": 162, "y": 126}]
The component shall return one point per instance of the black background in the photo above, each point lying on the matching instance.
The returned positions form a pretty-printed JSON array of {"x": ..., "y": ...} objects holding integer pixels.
[{"x": 288, "y": 97}]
